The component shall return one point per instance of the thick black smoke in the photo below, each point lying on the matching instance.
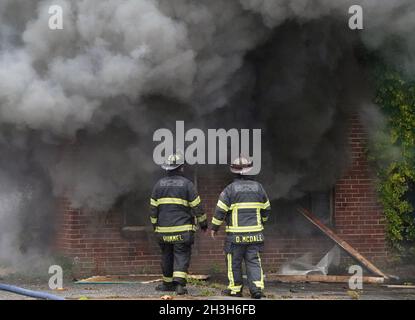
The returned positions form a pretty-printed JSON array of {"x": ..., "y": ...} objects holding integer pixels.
[{"x": 78, "y": 106}]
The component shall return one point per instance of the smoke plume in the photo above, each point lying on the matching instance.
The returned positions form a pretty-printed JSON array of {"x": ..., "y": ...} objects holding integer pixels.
[{"x": 78, "y": 106}]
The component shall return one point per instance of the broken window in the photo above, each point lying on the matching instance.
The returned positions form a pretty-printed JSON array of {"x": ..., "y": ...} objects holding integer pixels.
[{"x": 288, "y": 220}]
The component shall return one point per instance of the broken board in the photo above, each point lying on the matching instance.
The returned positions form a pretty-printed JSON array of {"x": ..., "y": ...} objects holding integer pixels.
[
  {"x": 321, "y": 278},
  {"x": 400, "y": 286},
  {"x": 343, "y": 244},
  {"x": 132, "y": 279}
]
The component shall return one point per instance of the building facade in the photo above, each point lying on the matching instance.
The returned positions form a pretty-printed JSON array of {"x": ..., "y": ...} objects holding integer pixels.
[{"x": 103, "y": 244}]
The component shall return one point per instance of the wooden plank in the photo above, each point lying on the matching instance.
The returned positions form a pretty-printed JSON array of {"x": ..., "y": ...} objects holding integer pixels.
[
  {"x": 343, "y": 244},
  {"x": 400, "y": 286},
  {"x": 321, "y": 278},
  {"x": 129, "y": 279}
]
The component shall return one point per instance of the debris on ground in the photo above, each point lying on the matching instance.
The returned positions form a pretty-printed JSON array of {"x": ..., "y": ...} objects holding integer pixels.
[
  {"x": 342, "y": 243},
  {"x": 353, "y": 294},
  {"x": 132, "y": 279},
  {"x": 211, "y": 290},
  {"x": 398, "y": 286},
  {"x": 316, "y": 278},
  {"x": 303, "y": 265}
]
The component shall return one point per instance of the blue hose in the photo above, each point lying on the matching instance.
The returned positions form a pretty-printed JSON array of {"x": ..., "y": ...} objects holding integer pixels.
[{"x": 29, "y": 293}]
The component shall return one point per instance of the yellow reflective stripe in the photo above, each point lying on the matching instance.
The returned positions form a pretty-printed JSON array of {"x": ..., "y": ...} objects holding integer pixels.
[
  {"x": 202, "y": 218},
  {"x": 186, "y": 227},
  {"x": 260, "y": 284},
  {"x": 230, "y": 272},
  {"x": 246, "y": 205},
  {"x": 217, "y": 221},
  {"x": 153, "y": 202},
  {"x": 173, "y": 201},
  {"x": 235, "y": 216},
  {"x": 195, "y": 202},
  {"x": 179, "y": 274},
  {"x": 266, "y": 205},
  {"x": 153, "y": 220},
  {"x": 250, "y": 205},
  {"x": 167, "y": 279},
  {"x": 222, "y": 205},
  {"x": 264, "y": 219},
  {"x": 258, "y": 217},
  {"x": 244, "y": 228},
  {"x": 234, "y": 289}
]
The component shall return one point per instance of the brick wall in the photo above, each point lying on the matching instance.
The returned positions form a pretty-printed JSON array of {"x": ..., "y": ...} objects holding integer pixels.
[
  {"x": 95, "y": 243},
  {"x": 99, "y": 247},
  {"x": 357, "y": 214},
  {"x": 279, "y": 248}
]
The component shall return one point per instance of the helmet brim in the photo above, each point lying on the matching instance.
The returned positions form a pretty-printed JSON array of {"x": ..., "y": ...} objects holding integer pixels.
[
  {"x": 241, "y": 170},
  {"x": 171, "y": 167}
]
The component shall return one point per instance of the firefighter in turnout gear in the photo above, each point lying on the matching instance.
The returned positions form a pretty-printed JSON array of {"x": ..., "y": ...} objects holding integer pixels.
[
  {"x": 244, "y": 207},
  {"x": 175, "y": 212}
]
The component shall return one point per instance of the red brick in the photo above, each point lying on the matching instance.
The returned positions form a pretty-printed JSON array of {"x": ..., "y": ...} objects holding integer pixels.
[{"x": 101, "y": 249}]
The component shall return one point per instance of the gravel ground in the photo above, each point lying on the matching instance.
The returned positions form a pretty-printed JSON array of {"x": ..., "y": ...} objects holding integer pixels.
[
  {"x": 274, "y": 290},
  {"x": 113, "y": 291},
  {"x": 337, "y": 291}
]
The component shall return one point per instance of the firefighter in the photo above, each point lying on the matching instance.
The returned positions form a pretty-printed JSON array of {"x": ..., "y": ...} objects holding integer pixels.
[
  {"x": 175, "y": 211},
  {"x": 244, "y": 207}
]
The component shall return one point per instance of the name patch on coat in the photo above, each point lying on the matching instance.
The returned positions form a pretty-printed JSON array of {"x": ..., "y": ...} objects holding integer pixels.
[
  {"x": 171, "y": 183},
  {"x": 249, "y": 239},
  {"x": 174, "y": 238},
  {"x": 247, "y": 188}
]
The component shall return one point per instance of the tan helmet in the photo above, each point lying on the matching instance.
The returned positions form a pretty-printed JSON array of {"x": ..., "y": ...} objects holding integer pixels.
[
  {"x": 173, "y": 162},
  {"x": 241, "y": 165}
]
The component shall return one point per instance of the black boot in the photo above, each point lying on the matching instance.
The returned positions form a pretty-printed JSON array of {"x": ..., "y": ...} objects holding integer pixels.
[
  {"x": 257, "y": 295},
  {"x": 181, "y": 290},
  {"x": 229, "y": 293},
  {"x": 166, "y": 287}
]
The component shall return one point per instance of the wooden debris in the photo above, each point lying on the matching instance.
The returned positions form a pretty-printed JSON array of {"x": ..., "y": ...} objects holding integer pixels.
[
  {"x": 199, "y": 276},
  {"x": 131, "y": 279},
  {"x": 321, "y": 278},
  {"x": 399, "y": 286},
  {"x": 355, "y": 295},
  {"x": 151, "y": 281},
  {"x": 343, "y": 244}
]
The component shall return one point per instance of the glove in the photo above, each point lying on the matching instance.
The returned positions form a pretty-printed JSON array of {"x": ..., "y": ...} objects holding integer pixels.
[{"x": 203, "y": 226}]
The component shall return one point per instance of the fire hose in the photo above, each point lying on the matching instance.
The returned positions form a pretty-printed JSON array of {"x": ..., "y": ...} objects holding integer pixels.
[{"x": 29, "y": 293}]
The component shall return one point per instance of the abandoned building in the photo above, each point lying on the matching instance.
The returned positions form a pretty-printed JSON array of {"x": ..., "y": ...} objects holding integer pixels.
[{"x": 113, "y": 243}]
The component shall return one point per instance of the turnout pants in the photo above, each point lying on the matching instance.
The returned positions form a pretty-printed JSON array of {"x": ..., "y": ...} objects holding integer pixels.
[
  {"x": 235, "y": 255},
  {"x": 175, "y": 261}
]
